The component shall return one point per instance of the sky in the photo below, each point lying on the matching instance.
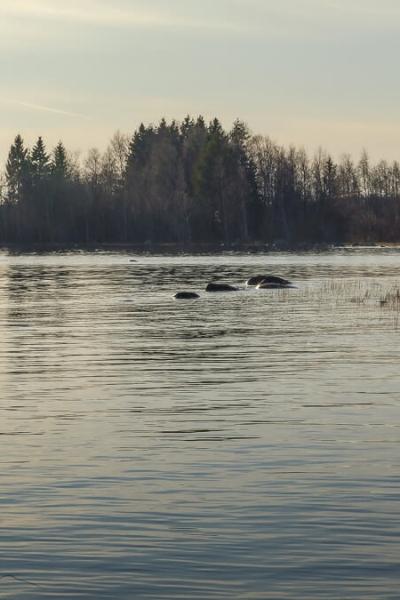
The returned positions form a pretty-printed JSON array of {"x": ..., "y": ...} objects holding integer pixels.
[{"x": 305, "y": 72}]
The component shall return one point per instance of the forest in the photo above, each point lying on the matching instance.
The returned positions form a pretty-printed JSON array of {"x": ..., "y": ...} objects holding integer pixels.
[{"x": 192, "y": 182}]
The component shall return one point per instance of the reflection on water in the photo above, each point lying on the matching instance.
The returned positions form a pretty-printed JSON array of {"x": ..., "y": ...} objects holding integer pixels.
[{"x": 239, "y": 446}]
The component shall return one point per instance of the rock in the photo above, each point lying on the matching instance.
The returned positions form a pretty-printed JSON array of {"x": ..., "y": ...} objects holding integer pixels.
[
  {"x": 273, "y": 279},
  {"x": 186, "y": 296},
  {"x": 220, "y": 287}
]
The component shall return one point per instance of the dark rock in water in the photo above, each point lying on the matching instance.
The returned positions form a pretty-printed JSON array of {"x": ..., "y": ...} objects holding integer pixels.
[
  {"x": 186, "y": 296},
  {"x": 273, "y": 279},
  {"x": 220, "y": 287}
]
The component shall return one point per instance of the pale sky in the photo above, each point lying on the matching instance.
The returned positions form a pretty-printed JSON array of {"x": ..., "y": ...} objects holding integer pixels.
[{"x": 307, "y": 72}]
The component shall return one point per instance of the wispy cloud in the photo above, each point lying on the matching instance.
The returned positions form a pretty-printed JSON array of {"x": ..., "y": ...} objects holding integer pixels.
[
  {"x": 53, "y": 110},
  {"x": 125, "y": 15},
  {"x": 123, "y": 61},
  {"x": 288, "y": 18},
  {"x": 235, "y": 16}
]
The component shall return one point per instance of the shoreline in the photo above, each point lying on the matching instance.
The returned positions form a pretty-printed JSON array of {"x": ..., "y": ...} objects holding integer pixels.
[{"x": 206, "y": 248}]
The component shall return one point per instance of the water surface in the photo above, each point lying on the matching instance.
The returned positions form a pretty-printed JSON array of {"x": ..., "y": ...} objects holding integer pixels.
[{"x": 240, "y": 446}]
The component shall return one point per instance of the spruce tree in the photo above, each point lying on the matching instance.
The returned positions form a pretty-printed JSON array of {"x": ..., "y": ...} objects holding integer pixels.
[
  {"x": 17, "y": 169},
  {"x": 59, "y": 164},
  {"x": 39, "y": 161}
]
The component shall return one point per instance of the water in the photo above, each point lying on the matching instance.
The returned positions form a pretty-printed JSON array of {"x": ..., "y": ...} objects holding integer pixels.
[{"x": 240, "y": 446}]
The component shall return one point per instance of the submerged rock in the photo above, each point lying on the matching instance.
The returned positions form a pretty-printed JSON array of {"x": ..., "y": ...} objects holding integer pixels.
[
  {"x": 220, "y": 287},
  {"x": 186, "y": 296}
]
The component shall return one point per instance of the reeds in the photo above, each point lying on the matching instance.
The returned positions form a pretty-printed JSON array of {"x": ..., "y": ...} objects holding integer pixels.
[
  {"x": 362, "y": 292},
  {"x": 391, "y": 299}
]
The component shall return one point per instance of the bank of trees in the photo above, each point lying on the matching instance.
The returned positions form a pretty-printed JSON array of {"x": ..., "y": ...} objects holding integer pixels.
[{"x": 193, "y": 182}]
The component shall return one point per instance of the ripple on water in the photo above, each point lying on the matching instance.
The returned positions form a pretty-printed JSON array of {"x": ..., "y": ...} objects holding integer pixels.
[{"x": 241, "y": 446}]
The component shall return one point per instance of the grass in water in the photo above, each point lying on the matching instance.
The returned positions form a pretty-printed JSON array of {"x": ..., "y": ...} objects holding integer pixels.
[
  {"x": 391, "y": 299},
  {"x": 370, "y": 293}
]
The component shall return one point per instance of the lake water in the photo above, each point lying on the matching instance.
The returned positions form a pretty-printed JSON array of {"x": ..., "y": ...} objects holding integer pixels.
[{"x": 239, "y": 446}]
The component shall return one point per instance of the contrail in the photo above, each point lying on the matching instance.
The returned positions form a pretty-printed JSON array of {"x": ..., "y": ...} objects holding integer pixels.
[{"x": 56, "y": 111}]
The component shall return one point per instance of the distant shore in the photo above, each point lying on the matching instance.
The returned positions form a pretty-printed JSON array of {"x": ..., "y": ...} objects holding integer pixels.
[{"x": 205, "y": 248}]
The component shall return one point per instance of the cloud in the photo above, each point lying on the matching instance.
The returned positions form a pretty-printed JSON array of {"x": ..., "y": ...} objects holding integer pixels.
[
  {"x": 96, "y": 12},
  {"x": 265, "y": 61},
  {"x": 288, "y": 17},
  {"x": 53, "y": 110},
  {"x": 289, "y": 20}
]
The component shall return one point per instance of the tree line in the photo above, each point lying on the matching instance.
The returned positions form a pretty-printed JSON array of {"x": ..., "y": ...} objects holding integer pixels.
[{"x": 194, "y": 182}]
